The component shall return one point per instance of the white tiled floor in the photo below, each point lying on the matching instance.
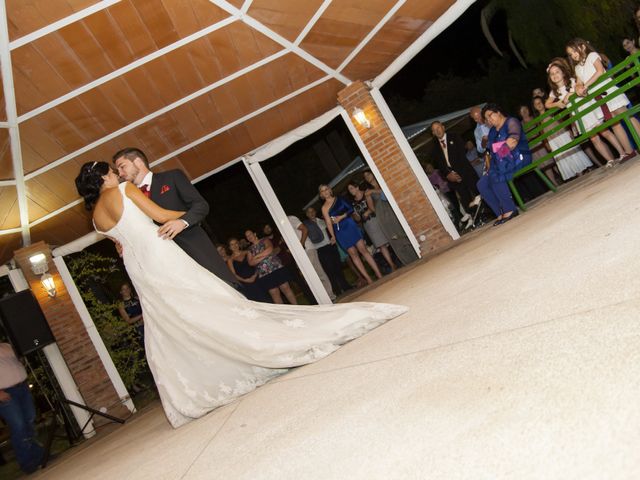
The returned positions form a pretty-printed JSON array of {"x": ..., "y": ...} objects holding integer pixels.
[{"x": 519, "y": 359}]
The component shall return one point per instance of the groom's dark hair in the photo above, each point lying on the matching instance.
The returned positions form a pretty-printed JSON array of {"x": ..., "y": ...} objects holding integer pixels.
[{"x": 131, "y": 153}]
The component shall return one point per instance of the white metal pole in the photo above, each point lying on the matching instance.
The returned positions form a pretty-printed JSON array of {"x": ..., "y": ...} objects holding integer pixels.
[
  {"x": 95, "y": 337},
  {"x": 383, "y": 185},
  {"x": 417, "y": 169},
  {"x": 288, "y": 233}
]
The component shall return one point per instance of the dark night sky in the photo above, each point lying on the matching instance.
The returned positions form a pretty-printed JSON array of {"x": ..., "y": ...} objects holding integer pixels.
[{"x": 457, "y": 50}]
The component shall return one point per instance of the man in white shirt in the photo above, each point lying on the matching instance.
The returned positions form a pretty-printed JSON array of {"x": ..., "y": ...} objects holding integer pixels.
[
  {"x": 481, "y": 132},
  {"x": 18, "y": 411},
  {"x": 310, "y": 249}
]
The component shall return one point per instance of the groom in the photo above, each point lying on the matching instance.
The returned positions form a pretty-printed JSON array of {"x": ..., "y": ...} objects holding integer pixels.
[{"x": 173, "y": 191}]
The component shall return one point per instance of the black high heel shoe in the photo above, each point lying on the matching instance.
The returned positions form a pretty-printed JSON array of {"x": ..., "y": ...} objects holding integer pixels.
[{"x": 514, "y": 214}]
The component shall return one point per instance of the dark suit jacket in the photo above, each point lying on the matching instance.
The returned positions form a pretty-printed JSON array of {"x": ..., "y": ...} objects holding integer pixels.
[
  {"x": 173, "y": 190},
  {"x": 457, "y": 159}
]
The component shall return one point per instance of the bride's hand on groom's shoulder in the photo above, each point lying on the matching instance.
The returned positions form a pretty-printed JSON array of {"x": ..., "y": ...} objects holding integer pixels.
[{"x": 170, "y": 229}]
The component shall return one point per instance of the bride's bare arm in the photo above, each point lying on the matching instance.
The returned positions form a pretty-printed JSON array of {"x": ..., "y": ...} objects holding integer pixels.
[{"x": 149, "y": 207}]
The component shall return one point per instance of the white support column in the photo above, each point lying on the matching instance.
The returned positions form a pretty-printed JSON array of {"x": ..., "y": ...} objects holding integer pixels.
[
  {"x": 417, "y": 169},
  {"x": 58, "y": 365},
  {"x": 95, "y": 337},
  {"x": 288, "y": 233},
  {"x": 383, "y": 185}
]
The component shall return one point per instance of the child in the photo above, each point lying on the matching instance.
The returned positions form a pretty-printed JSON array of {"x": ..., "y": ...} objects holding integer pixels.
[
  {"x": 562, "y": 87},
  {"x": 588, "y": 68}
]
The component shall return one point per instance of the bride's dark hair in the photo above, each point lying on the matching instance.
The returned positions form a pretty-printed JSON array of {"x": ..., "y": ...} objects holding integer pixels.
[{"x": 89, "y": 181}]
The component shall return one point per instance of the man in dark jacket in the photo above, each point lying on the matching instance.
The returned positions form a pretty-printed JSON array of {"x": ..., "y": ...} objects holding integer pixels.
[
  {"x": 449, "y": 157},
  {"x": 173, "y": 190}
]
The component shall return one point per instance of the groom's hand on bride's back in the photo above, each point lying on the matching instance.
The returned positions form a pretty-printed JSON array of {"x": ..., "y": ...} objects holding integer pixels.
[{"x": 169, "y": 230}]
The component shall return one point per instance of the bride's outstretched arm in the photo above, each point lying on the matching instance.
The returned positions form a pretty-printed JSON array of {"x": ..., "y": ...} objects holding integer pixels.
[{"x": 149, "y": 207}]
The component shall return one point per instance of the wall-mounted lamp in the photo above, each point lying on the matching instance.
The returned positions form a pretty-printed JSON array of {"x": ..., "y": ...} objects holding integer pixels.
[
  {"x": 48, "y": 284},
  {"x": 361, "y": 118},
  {"x": 39, "y": 266}
]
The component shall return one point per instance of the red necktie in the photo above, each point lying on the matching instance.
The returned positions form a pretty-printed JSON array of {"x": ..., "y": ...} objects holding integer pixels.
[
  {"x": 145, "y": 189},
  {"x": 443, "y": 144}
]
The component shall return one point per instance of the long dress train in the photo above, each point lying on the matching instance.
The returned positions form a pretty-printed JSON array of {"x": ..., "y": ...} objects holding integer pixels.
[{"x": 206, "y": 344}]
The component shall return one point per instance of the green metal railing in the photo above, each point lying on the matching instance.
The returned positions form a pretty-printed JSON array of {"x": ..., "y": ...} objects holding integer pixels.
[{"x": 625, "y": 75}]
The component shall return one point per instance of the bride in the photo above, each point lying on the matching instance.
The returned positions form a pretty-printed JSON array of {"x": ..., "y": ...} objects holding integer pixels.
[{"x": 206, "y": 344}]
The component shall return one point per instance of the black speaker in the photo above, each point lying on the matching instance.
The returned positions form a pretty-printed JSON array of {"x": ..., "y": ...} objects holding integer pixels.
[{"x": 24, "y": 322}]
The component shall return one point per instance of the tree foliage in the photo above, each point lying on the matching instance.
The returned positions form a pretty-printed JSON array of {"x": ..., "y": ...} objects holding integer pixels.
[
  {"x": 92, "y": 272},
  {"x": 541, "y": 28}
]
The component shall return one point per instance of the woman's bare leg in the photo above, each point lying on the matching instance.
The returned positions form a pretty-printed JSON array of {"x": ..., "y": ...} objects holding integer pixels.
[
  {"x": 384, "y": 249},
  {"x": 613, "y": 140},
  {"x": 275, "y": 295},
  {"x": 367, "y": 256},
  {"x": 353, "y": 253},
  {"x": 288, "y": 293},
  {"x": 602, "y": 148}
]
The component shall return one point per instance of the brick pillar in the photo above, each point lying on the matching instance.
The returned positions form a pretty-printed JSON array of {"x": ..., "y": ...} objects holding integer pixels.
[
  {"x": 72, "y": 337},
  {"x": 393, "y": 165}
]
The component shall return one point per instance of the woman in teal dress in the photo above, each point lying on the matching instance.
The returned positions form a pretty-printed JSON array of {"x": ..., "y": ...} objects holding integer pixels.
[{"x": 343, "y": 229}]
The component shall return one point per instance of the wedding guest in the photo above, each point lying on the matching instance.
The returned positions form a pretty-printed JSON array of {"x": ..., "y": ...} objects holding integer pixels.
[
  {"x": 629, "y": 45},
  {"x": 327, "y": 252},
  {"x": 481, "y": 132},
  {"x": 509, "y": 152},
  {"x": 303, "y": 235},
  {"x": 589, "y": 67},
  {"x": 272, "y": 275},
  {"x": 281, "y": 249},
  {"x": 246, "y": 274},
  {"x": 570, "y": 163},
  {"x": 369, "y": 222},
  {"x": 379, "y": 204},
  {"x": 448, "y": 198},
  {"x": 541, "y": 149},
  {"x": 562, "y": 85},
  {"x": 222, "y": 251},
  {"x": 449, "y": 158},
  {"x": 18, "y": 411},
  {"x": 538, "y": 92},
  {"x": 130, "y": 310},
  {"x": 343, "y": 229}
]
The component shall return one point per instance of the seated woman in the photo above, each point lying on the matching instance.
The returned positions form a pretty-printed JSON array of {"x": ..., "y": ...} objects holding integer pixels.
[{"x": 509, "y": 152}]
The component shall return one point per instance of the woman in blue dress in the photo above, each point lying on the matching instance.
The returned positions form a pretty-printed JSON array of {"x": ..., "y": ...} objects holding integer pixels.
[
  {"x": 509, "y": 152},
  {"x": 343, "y": 229}
]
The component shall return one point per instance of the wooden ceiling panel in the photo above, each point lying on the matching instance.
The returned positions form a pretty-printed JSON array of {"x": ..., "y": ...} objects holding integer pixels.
[
  {"x": 53, "y": 189},
  {"x": 342, "y": 27},
  {"x": 35, "y": 81},
  {"x": 93, "y": 47},
  {"x": 24, "y": 17},
  {"x": 409, "y": 22},
  {"x": 9, "y": 244},
  {"x": 35, "y": 209},
  {"x": 227, "y": 145},
  {"x": 6, "y": 163},
  {"x": 286, "y": 17},
  {"x": 9, "y": 213},
  {"x": 189, "y": 16},
  {"x": 111, "y": 107},
  {"x": 64, "y": 227}
]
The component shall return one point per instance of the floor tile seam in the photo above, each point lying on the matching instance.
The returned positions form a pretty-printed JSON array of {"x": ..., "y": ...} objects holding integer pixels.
[
  {"x": 452, "y": 344},
  {"x": 213, "y": 437}
]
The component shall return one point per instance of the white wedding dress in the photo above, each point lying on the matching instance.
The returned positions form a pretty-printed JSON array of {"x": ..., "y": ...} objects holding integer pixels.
[{"x": 206, "y": 344}]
